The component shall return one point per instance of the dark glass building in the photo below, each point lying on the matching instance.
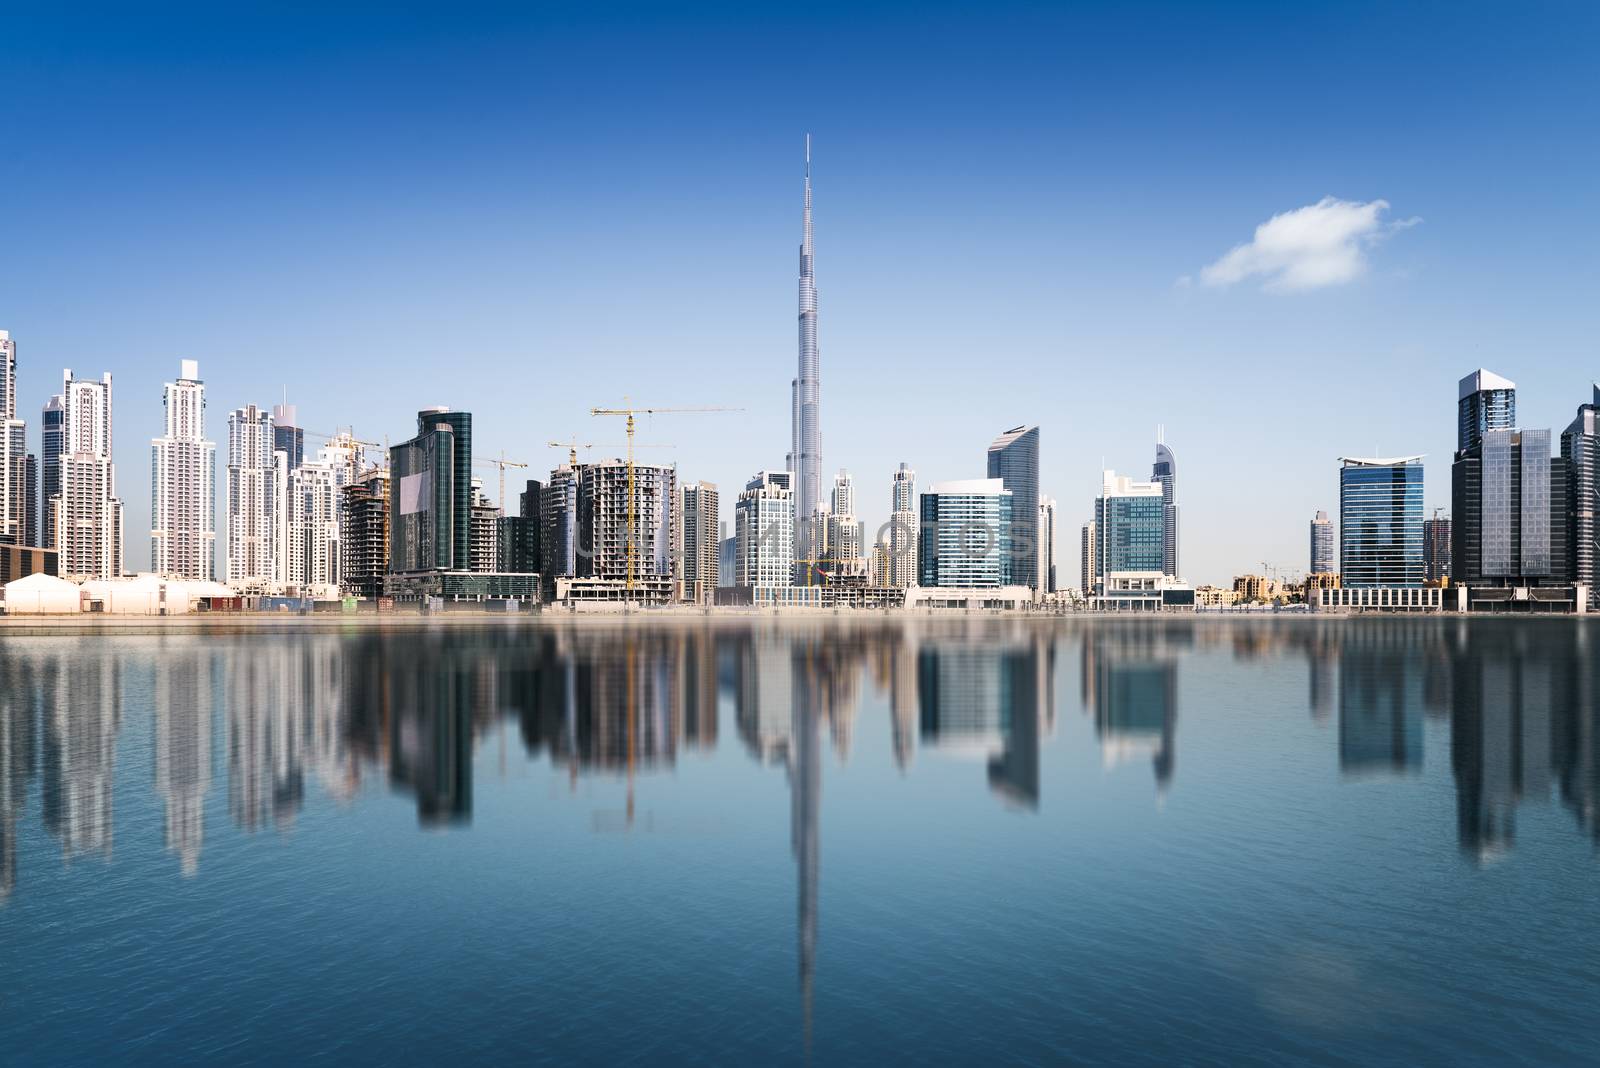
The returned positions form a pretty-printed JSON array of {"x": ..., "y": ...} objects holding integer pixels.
[
  {"x": 1014, "y": 459},
  {"x": 1164, "y": 473},
  {"x": 1580, "y": 449},
  {"x": 52, "y": 425},
  {"x": 1436, "y": 551},
  {"x": 1380, "y": 522},
  {"x": 288, "y": 438},
  {"x": 1509, "y": 499},
  {"x": 430, "y": 495},
  {"x": 1485, "y": 402}
]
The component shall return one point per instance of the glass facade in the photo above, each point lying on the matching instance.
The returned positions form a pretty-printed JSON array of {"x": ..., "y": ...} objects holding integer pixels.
[
  {"x": 1487, "y": 403},
  {"x": 1014, "y": 460},
  {"x": 964, "y": 537},
  {"x": 1131, "y": 533},
  {"x": 1380, "y": 523}
]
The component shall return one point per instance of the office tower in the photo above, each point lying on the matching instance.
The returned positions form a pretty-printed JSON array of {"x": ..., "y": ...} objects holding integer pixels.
[
  {"x": 52, "y": 425},
  {"x": 30, "y": 518},
  {"x": 903, "y": 529},
  {"x": 1380, "y": 522},
  {"x": 1508, "y": 497},
  {"x": 603, "y": 530},
  {"x": 1485, "y": 402},
  {"x": 16, "y": 528},
  {"x": 1580, "y": 448},
  {"x": 965, "y": 535},
  {"x": 698, "y": 521},
  {"x": 183, "y": 520},
  {"x": 88, "y": 515},
  {"x": 845, "y": 534},
  {"x": 1014, "y": 459},
  {"x": 763, "y": 524},
  {"x": 1435, "y": 548},
  {"x": 558, "y": 522},
  {"x": 1089, "y": 565},
  {"x": 287, "y": 437},
  {"x": 1047, "y": 544},
  {"x": 430, "y": 495},
  {"x": 727, "y": 561},
  {"x": 253, "y": 500},
  {"x": 1130, "y": 526},
  {"x": 1164, "y": 473},
  {"x": 1323, "y": 561},
  {"x": 364, "y": 534},
  {"x": 805, "y": 452},
  {"x": 530, "y": 504}
]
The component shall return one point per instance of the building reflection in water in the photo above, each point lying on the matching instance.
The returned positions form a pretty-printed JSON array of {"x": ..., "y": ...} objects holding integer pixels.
[
  {"x": 19, "y": 705},
  {"x": 1130, "y": 685},
  {"x": 184, "y": 698},
  {"x": 82, "y": 708}
]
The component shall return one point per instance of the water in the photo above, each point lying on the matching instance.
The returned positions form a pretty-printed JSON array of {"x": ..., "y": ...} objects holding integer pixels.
[{"x": 1275, "y": 841}]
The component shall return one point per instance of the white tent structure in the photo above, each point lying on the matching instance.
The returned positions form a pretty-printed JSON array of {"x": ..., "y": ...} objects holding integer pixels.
[
  {"x": 149, "y": 595},
  {"x": 43, "y": 595}
]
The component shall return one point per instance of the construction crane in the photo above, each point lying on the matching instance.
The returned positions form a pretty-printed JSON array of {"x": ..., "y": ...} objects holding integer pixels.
[
  {"x": 632, "y": 413},
  {"x": 502, "y": 463},
  {"x": 361, "y": 446},
  {"x": 574, "y": 445}
]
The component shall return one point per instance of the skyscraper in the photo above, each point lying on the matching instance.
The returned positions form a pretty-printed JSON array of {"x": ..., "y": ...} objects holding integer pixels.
[
  {"x": 1129, "y": 526},
  {"x": 430, "y": 495},
  {"x": 965, "y": 535},
  {"x": 88, "y": 515},
  {"x": 1323, "y": 560},
  {"x": 603, "y": 524},
  {"x": 311, "y": 558},
  {"x": 252, "y": 500},
  {"x": 1089, "y": 563},
  {"x": 558, "y": 523},
  {"x": 1164, "y": 473},
  {"x": 13, "y": 451},
  {"x": 1508, "y": 497},
  {"x": 1485, "y": 402},
  {"x": 1014, "y": 459},
  {"x": 1380, "y": 522},
  {"x": 1047, "y": 544},
  {"x": 287, "y": 437},
  {"x": 903, "y": 528},
  {"x": 52, "y": 439},
  {"x": 1580, "y": 448},
  {"x": 805, "y": 453},
  {"x": 763, "y": 526},
  {"x": 698, "y": 511},
  {"x": 846, "y": 537},
  {"x": 183, "y": 522}
]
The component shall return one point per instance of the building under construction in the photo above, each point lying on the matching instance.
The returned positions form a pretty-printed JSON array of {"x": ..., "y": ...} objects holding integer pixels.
[
  {"x": 364, "y": 533},
  {"x": 604, "y": 526}
]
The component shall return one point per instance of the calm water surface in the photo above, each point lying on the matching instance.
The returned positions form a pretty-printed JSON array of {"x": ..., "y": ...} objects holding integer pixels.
[{"x": 1270, "y": 841}]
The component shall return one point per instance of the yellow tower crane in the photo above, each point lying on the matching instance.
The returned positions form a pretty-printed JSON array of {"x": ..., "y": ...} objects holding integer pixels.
[
  {"x": 632, "y": 412},
  {"x": 574, "y": 445}
]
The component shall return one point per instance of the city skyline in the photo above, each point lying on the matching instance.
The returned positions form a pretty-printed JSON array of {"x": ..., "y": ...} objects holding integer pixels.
[{"x": 1068, "y": 274}]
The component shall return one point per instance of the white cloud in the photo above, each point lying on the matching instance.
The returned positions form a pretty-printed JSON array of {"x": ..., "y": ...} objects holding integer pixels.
[{"x": 1321, "y": 244}]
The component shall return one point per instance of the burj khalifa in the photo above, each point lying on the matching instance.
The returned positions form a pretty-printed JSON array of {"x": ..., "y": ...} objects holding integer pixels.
[{"x": 805, "y": 453}]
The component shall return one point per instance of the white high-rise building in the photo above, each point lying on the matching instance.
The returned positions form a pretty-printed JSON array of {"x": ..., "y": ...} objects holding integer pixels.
[
  {"x": 845, "y": 535},
  {"x": 183, "y": 522},
  {"x": 310, "y": 550},
  {"x": 14, "y": 496},
  {"x": 763, "y": 525},
  {"x": 1047, "y": 545},
  {"x": 87, "y": 513},
  {"x": 903, "y": 529},
  {"x": 253, "y": 500}
]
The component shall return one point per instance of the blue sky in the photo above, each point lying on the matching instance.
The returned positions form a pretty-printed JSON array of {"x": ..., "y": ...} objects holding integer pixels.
[{"x": 529, "y": 212}]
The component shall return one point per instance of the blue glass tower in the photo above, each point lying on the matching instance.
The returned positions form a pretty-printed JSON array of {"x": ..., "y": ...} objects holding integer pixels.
[{"x": 1380, "y": 522}]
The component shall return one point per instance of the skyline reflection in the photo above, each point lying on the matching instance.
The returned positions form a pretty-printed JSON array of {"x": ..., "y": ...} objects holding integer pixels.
[{"x": 317, "y": 715}]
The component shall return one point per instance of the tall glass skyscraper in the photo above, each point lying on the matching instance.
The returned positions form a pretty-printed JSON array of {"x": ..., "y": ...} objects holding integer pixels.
[
  {"x": 1014, "y": 459},
  {"x": 1164, "y": 473},
  {"x": 1380, "y": 522},
  {"x": 805, "y": 450},
  {"x": 1130, "y": 526}
]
